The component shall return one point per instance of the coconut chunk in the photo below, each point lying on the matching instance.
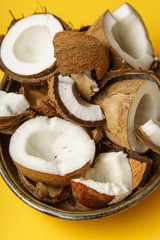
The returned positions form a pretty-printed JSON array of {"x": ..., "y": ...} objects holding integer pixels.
[
  {"x": 12, "y": 104},
  {"x": 149, "y": 134},
  {"x": 126, "y": 36},
  {"x": 27, "y": 48},
  {"x": 107, "y": 182},
  {"x": 51, "y": 150},
  {"x": 62, "y": 90}
]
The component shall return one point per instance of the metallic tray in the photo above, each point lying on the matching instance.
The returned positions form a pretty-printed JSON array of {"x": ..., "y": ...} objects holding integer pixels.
[{"x": 64, "y": 210}]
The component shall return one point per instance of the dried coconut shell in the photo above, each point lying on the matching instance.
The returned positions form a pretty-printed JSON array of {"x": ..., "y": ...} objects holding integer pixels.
[
  {"x": 86, "y": 86},
  {"x": 9, "y": 124},
  {"x": 51, "y": 179},
  {"x": 143, "y": 137},
  {"x": 44, "y": 192},
  {"x": 35, "y": 78},
  {"x": 44, "y": 108},
  {"x": 76, "y": 52},
  {"x": 97, "y": 135}
]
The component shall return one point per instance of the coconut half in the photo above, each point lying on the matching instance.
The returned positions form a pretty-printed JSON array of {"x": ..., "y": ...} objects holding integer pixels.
[
  {"x": 64, "y": 96},
  {"x": 149, "y": 134},
  {"x": 51, "y": 150},
  {"x": 126, "y": 36},
  {"x": 128, "y": 105},
  {"x": 107, "y": 182},
  {"x": 27, "y": 48}
]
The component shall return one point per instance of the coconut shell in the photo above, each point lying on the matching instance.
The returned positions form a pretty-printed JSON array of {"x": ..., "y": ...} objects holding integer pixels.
[
  {"x": 9, "y": 124},
  {"x": 61, "y": 109},
  {"x": 35, "y": 78},
  {"x": 143, "y": 137},
  {"x": 44, "y": 192},
  {"x": 76, "y": 52},
  {"x": 44, "y": 108},
  {"x": 115, "y": 102},
  {"x": 89, "y": 197},
  {"x": 51, "y": 179}
]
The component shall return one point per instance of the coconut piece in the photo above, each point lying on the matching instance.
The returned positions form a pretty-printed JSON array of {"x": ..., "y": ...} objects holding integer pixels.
[
  {"x": 149, "y": 134},
  {"x": 27, "y": 52},
  {"x": 85, "y": 85},
  {"x": 126, "y": 107},
  {"x": 126, "y": 37},
  {"x": 65, "y": 98},
  {"x": 107, "y": 182},
  {"x": 44, "y": 192},
  {"x": 76, "y": 52},
  {"x": 111, "y": 179},
  {"x": 51, "y": 150}
]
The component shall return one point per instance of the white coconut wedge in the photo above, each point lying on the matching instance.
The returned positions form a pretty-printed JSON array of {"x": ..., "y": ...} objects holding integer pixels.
[
  {"x": 149, "y": 134},
  {"x": 126, "y": 36},
  {"x": 127, "y": 105},
  {"x": 51, "y": 150},
  {"x": 64, "y": 96},
  {"x": 109, "y": 181},
  {"x": 27, "y": 49}
]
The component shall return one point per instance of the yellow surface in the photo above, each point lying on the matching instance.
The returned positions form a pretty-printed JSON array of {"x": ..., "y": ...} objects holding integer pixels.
[{"x": 19, "y": 221}]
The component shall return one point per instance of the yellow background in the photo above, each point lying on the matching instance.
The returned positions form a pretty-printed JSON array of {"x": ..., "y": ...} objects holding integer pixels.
[{"x": 19, "y": 221}]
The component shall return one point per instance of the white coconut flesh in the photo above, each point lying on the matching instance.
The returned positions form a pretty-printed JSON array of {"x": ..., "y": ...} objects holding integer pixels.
[
  {"x": 152, "y": 130},
  {"x": 51, "y": 145},
  {"x": 12, "y": 104},
  {"x": 144, "y": 107},
  {"x": 75, "y": 104},
  {"x": 27, "y": 48},
  {"x": 110, "y": 175},
  {"x": 127, "y": 34}
]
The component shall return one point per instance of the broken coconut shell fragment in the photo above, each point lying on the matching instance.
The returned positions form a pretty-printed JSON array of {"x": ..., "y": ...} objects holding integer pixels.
[
  {"x": 51, "y": 150},
  {"x": 76, "y": 52},
  {"x": 126, "y": 37},
  {"x": 64, "y": 97},
  {"x": 111, "y": 179},
  {"x": 27, "y": 52},
  {"x": 149, "y": 134},
  {"x": 126, "y": 106},
  {"x": 44, "y": 192}
]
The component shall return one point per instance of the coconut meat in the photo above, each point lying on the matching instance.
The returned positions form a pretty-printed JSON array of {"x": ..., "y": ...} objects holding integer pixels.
[
  {"x": 51, "y": 145},
  {"x": 127, "y": 34},
  {"x": 12, "y": 104},
  {"x": 27, "y": 48},
  {"x": 144, "y": 107},
  {"x": 110, "y": 175},
  {"x": 152, "y": 130},
  {"x": 75, "y": 104}
]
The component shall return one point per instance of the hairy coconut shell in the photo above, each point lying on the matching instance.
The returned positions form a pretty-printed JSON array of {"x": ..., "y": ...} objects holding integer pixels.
[
  {"x": 44, "y": 192},
  {"x": 35, "y": 78},
  {"x": 76, "y": 52}
]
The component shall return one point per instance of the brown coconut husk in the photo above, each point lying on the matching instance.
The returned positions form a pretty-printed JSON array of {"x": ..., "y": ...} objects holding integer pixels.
[
  {"x": 44, "y": 192},
  {"x": 76, "y": 52},
  {"x": 35, "y": 78}
]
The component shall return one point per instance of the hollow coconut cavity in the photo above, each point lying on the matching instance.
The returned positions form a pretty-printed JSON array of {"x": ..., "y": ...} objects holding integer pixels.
[
  {"x": 27, "y": 48},
  {"x": 12, "y": 104},
  {"x": 124, "y": 32},
  {"x": 107, "y": 182},
  {"x": 128, "y": 105},
  {"x": 69, "y": 102},
  {"x": 51, "y": 150}
]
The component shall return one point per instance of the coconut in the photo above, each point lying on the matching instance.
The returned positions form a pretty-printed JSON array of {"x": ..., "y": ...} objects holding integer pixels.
[
  {"x": 126, "y": 107},
  {"x": 126, "y": 37},
  {"x": 51, "y": 150},
  {"x": 27, "y": 52},
  {"x": 67, "y": 101},
  {"x": 111, "y": 179}
]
